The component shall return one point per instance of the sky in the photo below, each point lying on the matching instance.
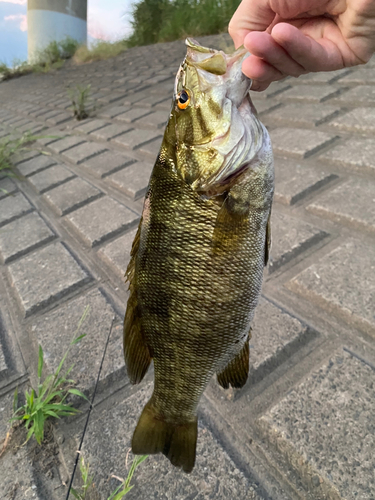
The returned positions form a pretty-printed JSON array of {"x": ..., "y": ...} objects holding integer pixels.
[{"x": 106, "y": 19}]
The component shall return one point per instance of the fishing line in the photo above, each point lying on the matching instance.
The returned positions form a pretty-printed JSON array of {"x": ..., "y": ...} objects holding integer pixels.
[{"x": 89, "y": 413}]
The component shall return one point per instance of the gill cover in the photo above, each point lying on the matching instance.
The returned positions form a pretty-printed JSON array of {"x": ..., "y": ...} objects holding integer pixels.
[{"x": 217, "y": 133}]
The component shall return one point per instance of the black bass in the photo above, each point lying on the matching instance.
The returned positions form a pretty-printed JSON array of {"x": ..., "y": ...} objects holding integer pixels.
[{"x": 197, "y": 260}]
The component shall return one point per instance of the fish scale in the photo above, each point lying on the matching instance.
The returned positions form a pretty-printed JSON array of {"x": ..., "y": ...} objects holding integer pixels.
[{"x": 197, "y": 260}]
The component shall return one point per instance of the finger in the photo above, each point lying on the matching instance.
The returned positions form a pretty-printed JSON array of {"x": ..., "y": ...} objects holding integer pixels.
[
  {"x": 260, "y": 72},
  {"x": 250, "y": 16},
  {"x": 264, "y": 46},
  {"x": 319, "y": 54}
]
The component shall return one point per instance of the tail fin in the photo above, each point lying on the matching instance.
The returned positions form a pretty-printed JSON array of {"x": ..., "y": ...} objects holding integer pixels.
[{"x": 176, "y": 441}]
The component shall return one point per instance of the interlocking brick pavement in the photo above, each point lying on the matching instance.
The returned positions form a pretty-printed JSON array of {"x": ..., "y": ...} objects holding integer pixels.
[{"x": 302, "y": 428}]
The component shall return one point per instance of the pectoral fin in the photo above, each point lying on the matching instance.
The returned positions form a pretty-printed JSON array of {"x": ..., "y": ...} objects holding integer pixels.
[
  {"x": 237, "y": 371},
  {"x": 136, "y": 352}
]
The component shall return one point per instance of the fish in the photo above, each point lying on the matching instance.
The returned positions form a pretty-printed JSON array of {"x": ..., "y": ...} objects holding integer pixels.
[{"x": 198, "y": 257}]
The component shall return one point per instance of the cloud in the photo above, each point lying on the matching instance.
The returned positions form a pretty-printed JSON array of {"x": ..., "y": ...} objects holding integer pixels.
[
  {"x": 21, "y": 18},
  {"x": 18, "y": 2},
  {"x": 109, "y": 22}
]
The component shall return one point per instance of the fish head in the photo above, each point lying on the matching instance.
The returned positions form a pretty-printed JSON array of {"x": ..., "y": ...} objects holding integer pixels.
[{"x": 213, "y": 124}]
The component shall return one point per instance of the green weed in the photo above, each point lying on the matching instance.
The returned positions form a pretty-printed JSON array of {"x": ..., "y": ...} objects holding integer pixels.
[
  {"x": 80, "y": 97},
  {"x": 52, "y": 57},
  {"x": 88, "y": 480},
  {"x": 48, "y": 400},
  {"x": 166, "y": 20},
  {"x": 9, "y": 147},
  {"x": 99, "y": 51}
]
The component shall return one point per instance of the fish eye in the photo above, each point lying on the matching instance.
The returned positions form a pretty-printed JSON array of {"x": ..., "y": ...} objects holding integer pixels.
[{"x": 183, "y": 99}]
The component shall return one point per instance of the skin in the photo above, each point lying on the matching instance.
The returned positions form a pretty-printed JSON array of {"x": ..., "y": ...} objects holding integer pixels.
[
  {"x": 292, "y": 38},
  {"x": 197, "y": 260}
]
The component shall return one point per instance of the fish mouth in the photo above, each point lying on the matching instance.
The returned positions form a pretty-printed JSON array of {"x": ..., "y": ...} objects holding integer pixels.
[{"x": 214, "y": 62}]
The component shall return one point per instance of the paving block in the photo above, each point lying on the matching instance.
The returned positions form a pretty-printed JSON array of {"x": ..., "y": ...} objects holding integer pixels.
[
  {"x": 309, "y": 93},
  {"x": 264, "y": 107},
  {"x": 101, "y": 220},
  {"x": 84, "y": 152},
  {"x": 274, "y": 89},
  {"x": 113, "y": 111},
  {"x": 155, "y": 120},
  {"x": 106, "y": 163},
  {"x": 3, "y": 363},
  {"x": 358, "y": 120},
  {"x": 132, "y": 114},
  {"x": 23, "y": 235},
  {"x": 290, "y": 237},
  {"x": 13, "y": 207},
  {"x": 132, "y": 180},
  {"x": 362, "y": 76},
  {"x": 354, "y": 153},
  {"x": 294, "y": 181},
  {"x": 110, "y": 131},
  {"x": 60, "y": 118},
  {"x": 152, "y": 149},
  {"x": 7, "y": 187},
  {"x": 66, "y": 143},
  {"x": 45, "y": 276},
  {"x": 164, "y": 105},
  {"x": 215, "y": 475},
  {"x": 117, "y": 252},
  {"x": 352, "y": 203},
  {"x": 136, "y": 138},
  {"x": 50, "y": 178},
  {"x": 299, "y": 143},
  {"x": 343, "y": 283},
  {"x": 71, "y": 195},
  {"x": 90, "y": 126},
  {"x": 308, "y": 114},
  {"x": 55, "y": 330},
  {"x": 276, "y": 335},
  {"x": 363, "y": 95},
  {"x": 323, "y": 77},
  {"x": 36, "y": 164},
  {"x": 324, "y": 429}
]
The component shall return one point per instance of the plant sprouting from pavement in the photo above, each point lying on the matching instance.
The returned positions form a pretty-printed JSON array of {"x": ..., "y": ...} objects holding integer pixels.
[
  {"x": 80, "y": 97},
  {"x": 119, "y": 492},
  {"x": 11, "y": 146},
  {"x": 48, "y": 400}
]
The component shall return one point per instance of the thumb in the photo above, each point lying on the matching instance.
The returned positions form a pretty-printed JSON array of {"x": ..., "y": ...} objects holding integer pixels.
[{"x": 250, "y": 16}]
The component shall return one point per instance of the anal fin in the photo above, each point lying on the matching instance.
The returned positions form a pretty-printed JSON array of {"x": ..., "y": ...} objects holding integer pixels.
[{"x": 237, "y": 370}]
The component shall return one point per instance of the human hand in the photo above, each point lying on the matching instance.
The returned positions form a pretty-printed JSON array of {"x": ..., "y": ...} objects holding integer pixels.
[{"x": 291, "y": 38}]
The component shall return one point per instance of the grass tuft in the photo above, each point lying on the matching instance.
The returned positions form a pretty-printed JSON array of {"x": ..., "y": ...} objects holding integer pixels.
[
  {"x": 81, "y": 102},
  {"x": 88, "y": 481},
  {"x": 9, "y": 147},
  {"x": 52, "y": 57},
  {"x": 48, "y": 400},
  {"x": 99, "y": 51}
]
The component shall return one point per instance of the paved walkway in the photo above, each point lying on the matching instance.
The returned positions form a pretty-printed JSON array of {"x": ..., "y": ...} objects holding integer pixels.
[{"x": 303, "y": 427}]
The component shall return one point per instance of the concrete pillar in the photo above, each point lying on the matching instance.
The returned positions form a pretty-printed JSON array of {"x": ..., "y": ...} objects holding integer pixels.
[{"x": 53, "y": 20}]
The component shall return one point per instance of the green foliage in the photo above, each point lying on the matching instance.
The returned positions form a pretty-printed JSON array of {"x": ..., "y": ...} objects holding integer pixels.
[
  {"x": 48, "y": 400},
  {"x": 52, "y": 57},
  {"x": 119, "y": 492},
  {"x": 166, "y": 20},
  {"x": 87, "y": 481},
  {"x": 80, "y": 97},
  {"x": 99, "y": 51},
  {"x": 12, "y": 146}
]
